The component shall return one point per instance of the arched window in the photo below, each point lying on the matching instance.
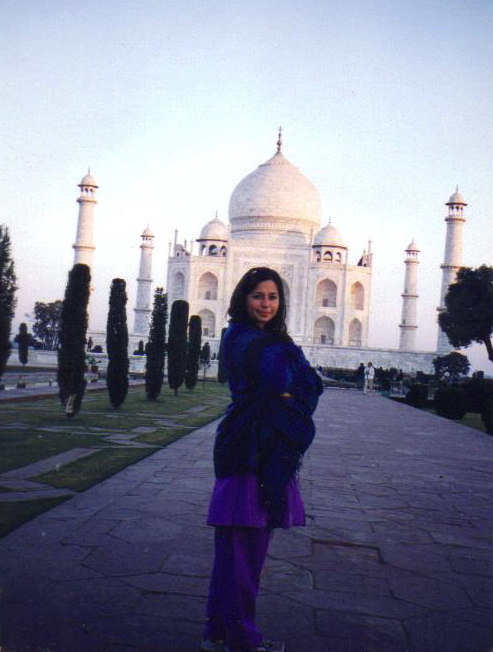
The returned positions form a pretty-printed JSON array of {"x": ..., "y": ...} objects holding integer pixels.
[
  {"x": 318, "y": 256},
  {"x": 338, "y": 257},
  {"x": 213, "y": 250},
  {"x": 355, "y": 331},
  {"x": 208, "y": 323},
  {"x": 323, "y": 331},
  {"x": 207, "y": 287},
  {"x": 178, "y": 287},
  {"x": 328, "y": 256},
  {"x": 223, "y": 251},
  {"x": 326, "y": 294},
  {"x": 357, "y": 296}
]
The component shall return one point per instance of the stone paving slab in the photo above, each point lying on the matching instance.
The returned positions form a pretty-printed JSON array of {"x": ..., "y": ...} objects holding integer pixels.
[{"x": 396, "y": 556}]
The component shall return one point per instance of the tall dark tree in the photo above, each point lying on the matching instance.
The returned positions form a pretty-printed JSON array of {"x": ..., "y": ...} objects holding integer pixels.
[
  {"x": 156, "y": 345},
  {"x": 468, "y": 314},
  {"x": 177, "y": 344},
  {"x": 117, "y": 344},
  {"x": 72, "y": 340},
  {"x": 46, "y": 327},
  {"x": 23, "y": 342},
  {"x": 205, "y": 359},
  {"x": 221, "y": 367},
  {"x": 8, "y": 288},
  {"x": 193, "y": 351}
]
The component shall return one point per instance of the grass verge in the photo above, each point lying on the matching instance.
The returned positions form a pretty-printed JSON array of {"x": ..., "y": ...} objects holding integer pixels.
[
  {"x": 85, "y": 473},
  {"x": 37, "y": 429},
  {"x": 17, "y": 513}
]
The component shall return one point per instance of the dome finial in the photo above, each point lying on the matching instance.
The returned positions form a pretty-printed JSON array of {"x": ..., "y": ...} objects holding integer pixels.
[
  {"x": 279, "y": 140},
  {"x": 457, "y": 188}
]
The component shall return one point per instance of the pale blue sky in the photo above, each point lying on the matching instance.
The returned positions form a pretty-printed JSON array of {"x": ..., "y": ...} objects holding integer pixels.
[{"x": 385, "y": 106}]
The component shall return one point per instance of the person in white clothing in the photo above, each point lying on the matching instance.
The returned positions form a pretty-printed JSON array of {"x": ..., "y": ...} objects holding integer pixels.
[{"x": 369, "y": 376}]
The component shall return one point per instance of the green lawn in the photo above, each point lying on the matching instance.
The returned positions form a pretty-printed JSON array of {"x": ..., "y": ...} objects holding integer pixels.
[
  {"x": 14, "y": 514},
  {"x": 470, "y": 419},
  {"x": 34, "y": 430}
]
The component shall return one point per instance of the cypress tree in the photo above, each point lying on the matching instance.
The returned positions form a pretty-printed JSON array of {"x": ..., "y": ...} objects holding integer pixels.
[
  {"x": 177, "y": 344},
  {"x": 221, "y": 367},
  {"x": 155, "y": 348},
  {"x": 205, "y": 359},
  {"x": 117, "y": 344},
  {"x": 7, "y": 296},
  {"x": 72, "y": 341},
  {"x": 23, "y": 341},
  {"x": 193, "y": 351}
]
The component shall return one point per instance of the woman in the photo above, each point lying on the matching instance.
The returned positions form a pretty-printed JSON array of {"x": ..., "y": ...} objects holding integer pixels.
[{"x": 258, "y": 450}]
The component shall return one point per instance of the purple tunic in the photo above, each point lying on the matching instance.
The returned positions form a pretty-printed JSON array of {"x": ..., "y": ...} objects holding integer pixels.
[{"x": 236, "y": 501}]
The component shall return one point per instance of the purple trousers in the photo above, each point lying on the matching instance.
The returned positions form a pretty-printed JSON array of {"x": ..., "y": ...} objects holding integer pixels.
[{"x": 240, "y": 553}]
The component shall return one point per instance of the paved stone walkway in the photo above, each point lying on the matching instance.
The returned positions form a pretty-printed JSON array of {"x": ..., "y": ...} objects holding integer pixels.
[{"x": 396, "y": 557}]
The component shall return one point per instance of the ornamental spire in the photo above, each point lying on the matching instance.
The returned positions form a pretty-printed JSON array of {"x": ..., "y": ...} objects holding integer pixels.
[{"x": 279, "y": 141}]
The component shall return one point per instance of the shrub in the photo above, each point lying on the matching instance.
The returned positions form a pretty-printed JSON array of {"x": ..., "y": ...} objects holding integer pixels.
[
  {"x": 417, "y": 395},
  {"x": 117, "y": 344},
  {"x": 479, "y": 399},
  {"x": 451, "y": 402},
  {"x": 156, "y": 345},
  {"x": 72, "y": 339},
  {"x": 193, "y": 351},
  {"x": 177, "y": 344}
]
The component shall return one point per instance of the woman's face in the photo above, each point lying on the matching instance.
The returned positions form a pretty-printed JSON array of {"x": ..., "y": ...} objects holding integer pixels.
[{"x": 262, "y": 303}]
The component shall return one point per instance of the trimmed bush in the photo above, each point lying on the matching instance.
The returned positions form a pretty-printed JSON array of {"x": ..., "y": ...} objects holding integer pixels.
[
  {"x": 177, "y": 344},
  {"x": 156, "y": 345},
  {"x": 451, "y": 402},
  {"x": 117, "y": 344},
  {"x": 193, "y": 351},
  {"x": 72, "y": 339},
  {"x": 417, "y": 395}
]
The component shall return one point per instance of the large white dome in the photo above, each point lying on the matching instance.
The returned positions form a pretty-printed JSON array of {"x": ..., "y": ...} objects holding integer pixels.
[{"x": 275, "y": 197}]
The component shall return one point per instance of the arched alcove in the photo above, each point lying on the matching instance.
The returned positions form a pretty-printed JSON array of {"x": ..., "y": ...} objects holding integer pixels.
[
  {"x": 178, "y": 291},
  {"x": 323, "y": 331},
  {"x": 357, "y": 296},
  {"x": 207, "y": 288},
  {"x": 208, "y": 323},
  {"x": 326, "y": 295},
  {"x": 355, "y": 332}
]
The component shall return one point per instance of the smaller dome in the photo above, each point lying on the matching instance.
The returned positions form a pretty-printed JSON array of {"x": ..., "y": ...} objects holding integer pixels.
[
  {"x": 456, "y": 198},
  {"x": 412, "y": 246},
  {"x": 88, "y": 180},
  {"x": 214, "y": 230},
  {"x": 147, "y": 233},
  {"x": 329, "y": 236}
]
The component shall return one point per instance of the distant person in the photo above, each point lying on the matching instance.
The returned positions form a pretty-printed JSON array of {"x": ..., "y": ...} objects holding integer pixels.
[
  {"x": 258, "y": 450},
  {"x": 360, "y": 376},
  {"x": 369, "y": 378}
]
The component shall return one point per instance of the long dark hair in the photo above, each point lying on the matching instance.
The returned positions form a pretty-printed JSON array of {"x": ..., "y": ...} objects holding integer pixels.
[{"x": 237, "y": 308}]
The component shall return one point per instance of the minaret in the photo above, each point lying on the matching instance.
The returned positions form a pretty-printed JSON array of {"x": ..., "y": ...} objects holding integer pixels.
[
  {"x": 84, "y": 240},
  {"x": 144, "y": 281},
  {"x": 410, "y": 295},
  {"x": 452, "y": 257}
]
